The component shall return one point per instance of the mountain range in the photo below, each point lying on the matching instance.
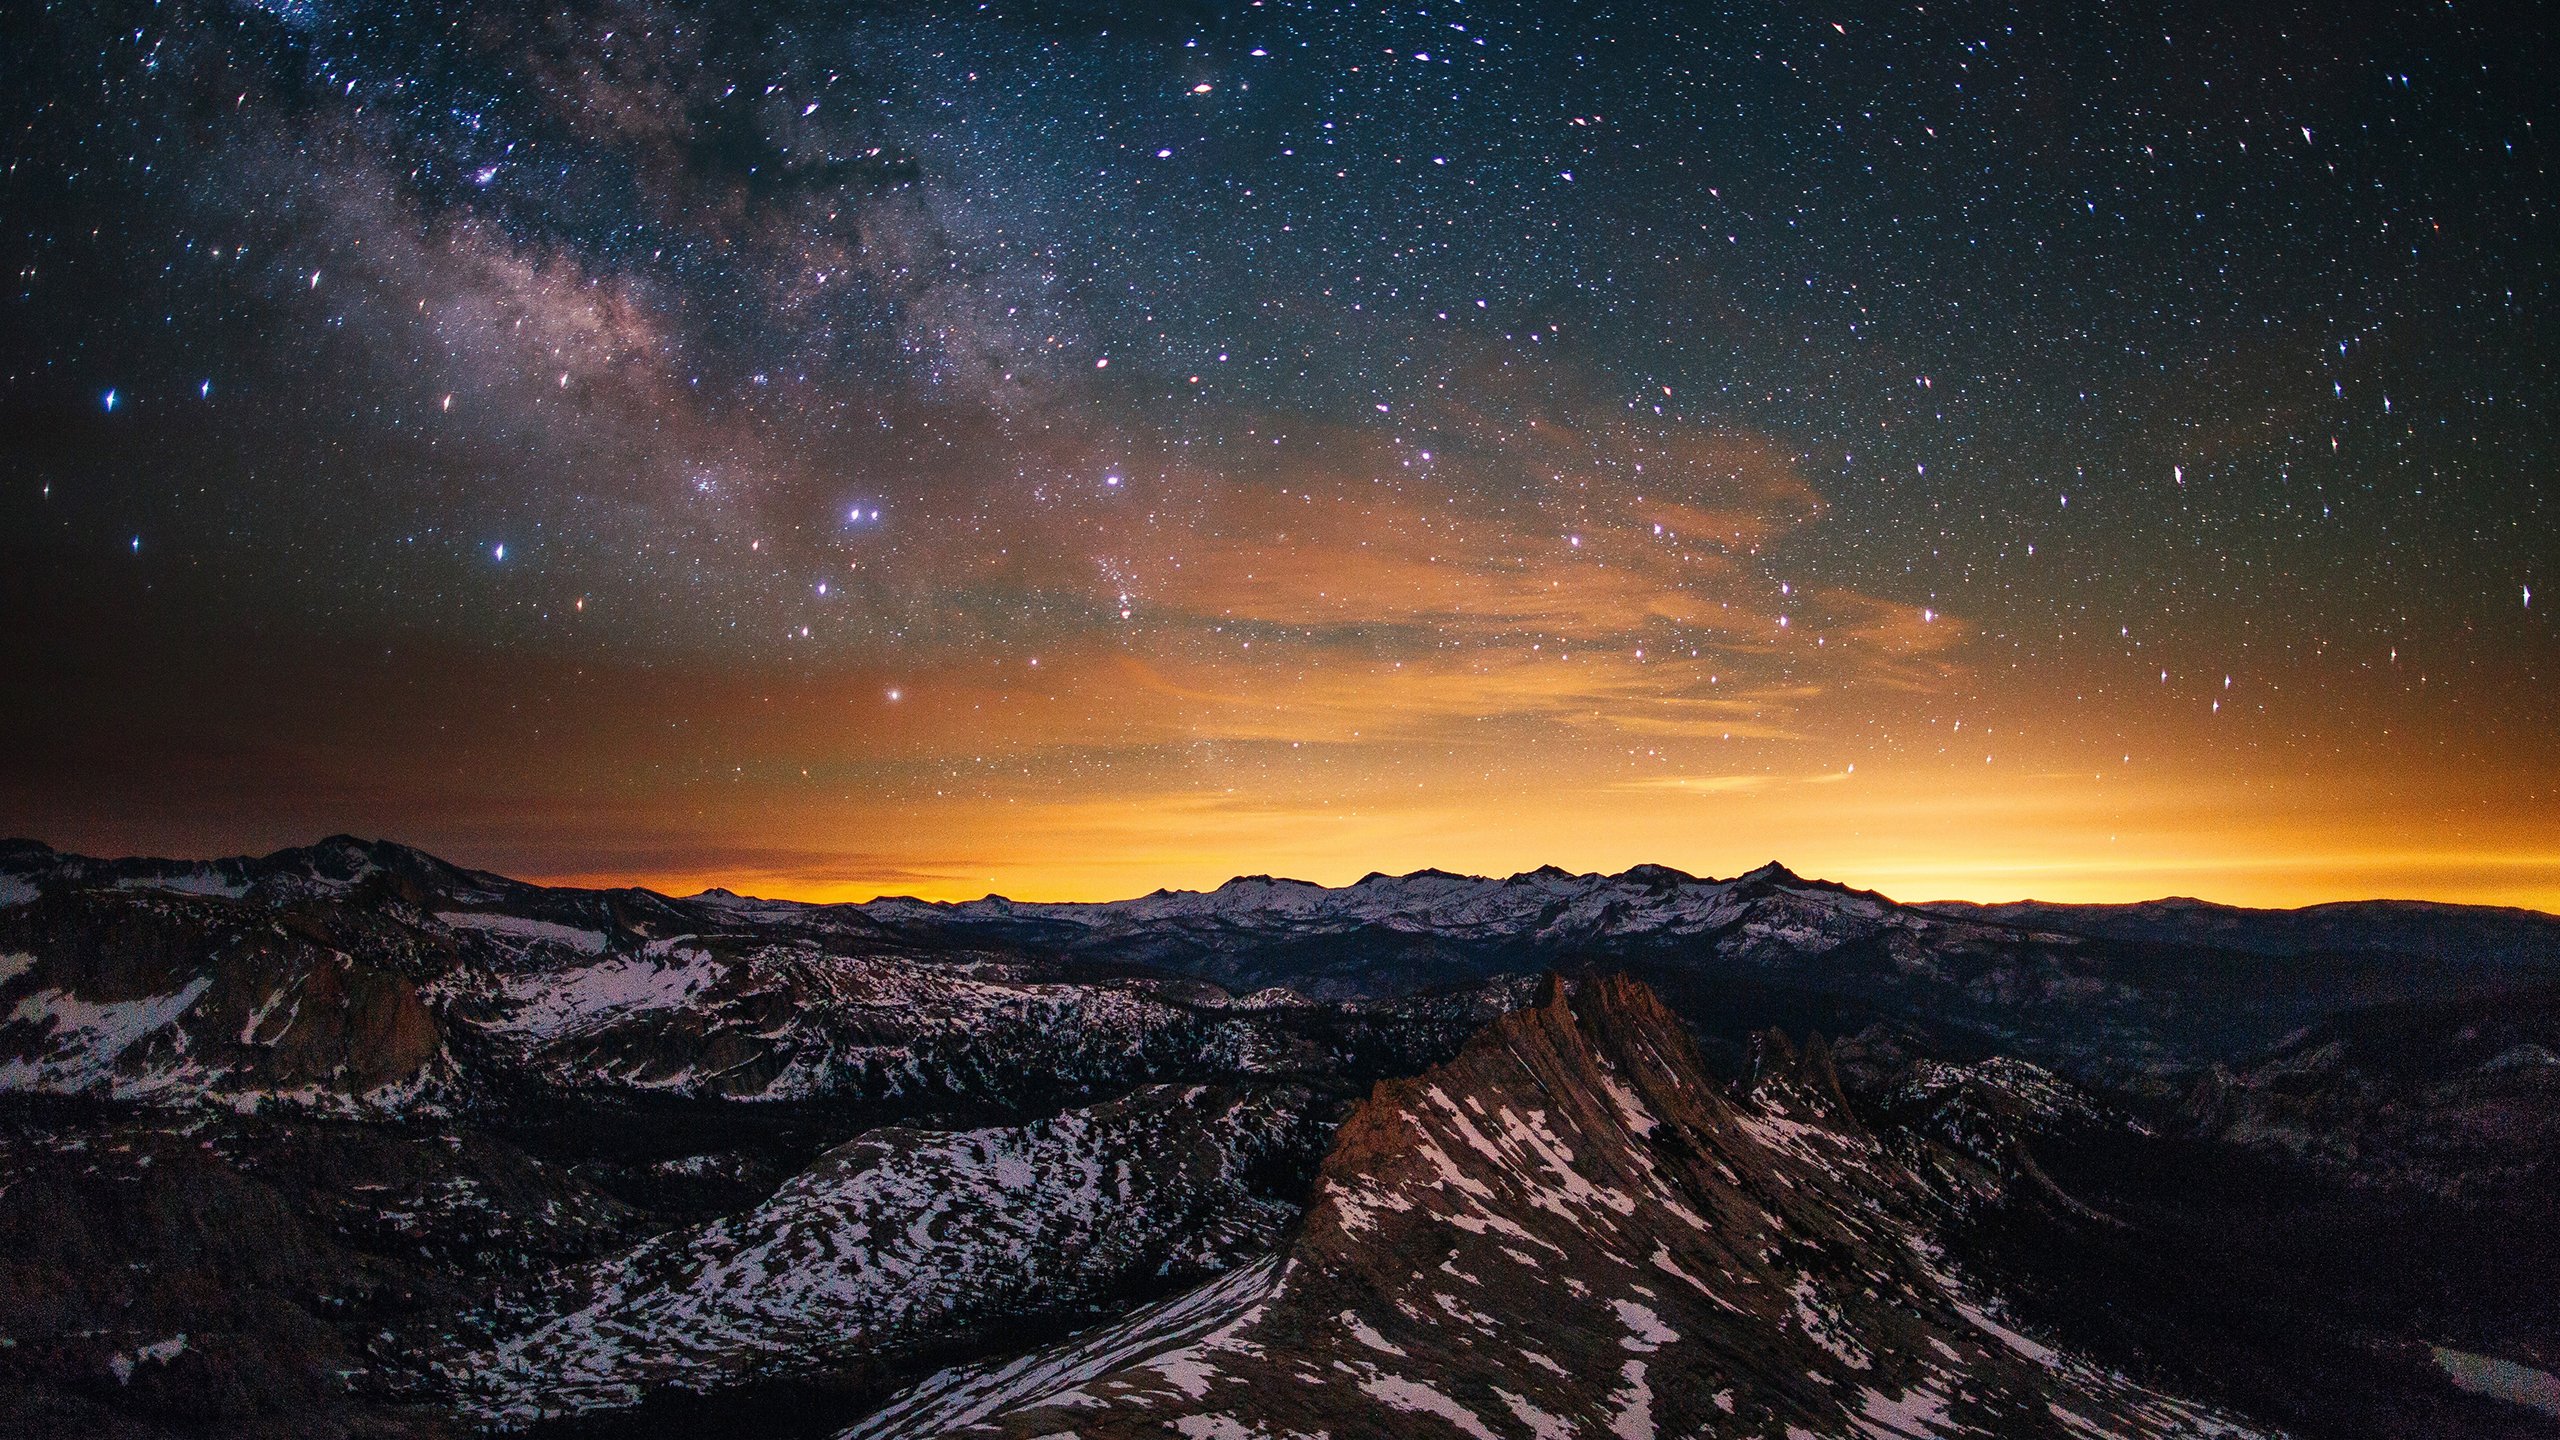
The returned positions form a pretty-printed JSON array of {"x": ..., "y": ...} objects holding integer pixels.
[{"x": 349, "y": 1141}]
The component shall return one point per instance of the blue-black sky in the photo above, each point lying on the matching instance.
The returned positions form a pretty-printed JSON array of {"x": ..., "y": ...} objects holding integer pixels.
[{"x": 1967, "y": 449}]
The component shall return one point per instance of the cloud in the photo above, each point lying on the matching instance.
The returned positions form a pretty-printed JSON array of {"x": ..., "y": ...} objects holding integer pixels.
[
  {"x": 1700, "y": 784},
  {"x": 1363, "y": 588}
]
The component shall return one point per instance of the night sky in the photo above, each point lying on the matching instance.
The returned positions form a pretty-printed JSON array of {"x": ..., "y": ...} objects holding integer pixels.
[{"x": 1064, "y": 449}]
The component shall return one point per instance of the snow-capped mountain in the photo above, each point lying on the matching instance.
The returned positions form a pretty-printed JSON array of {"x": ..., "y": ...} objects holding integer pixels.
[
  {"x": 361, "y": 978},
  {"x": 2136, "y": 995},
  {"x": 1540, "y": 906},
  {"x": 366, "y": 976},
  {"x": 349, "y": 1140}
]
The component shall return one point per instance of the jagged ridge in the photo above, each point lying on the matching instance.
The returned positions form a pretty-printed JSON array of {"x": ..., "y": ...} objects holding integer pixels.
[{"x": 1571, "y": 1230}]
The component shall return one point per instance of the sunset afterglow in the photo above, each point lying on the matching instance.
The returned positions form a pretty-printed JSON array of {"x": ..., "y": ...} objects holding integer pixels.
[{"x": 1029, "y": 457}]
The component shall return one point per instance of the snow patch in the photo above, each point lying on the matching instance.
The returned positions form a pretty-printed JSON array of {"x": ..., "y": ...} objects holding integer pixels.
[
  {"x": 1542, "y": 1426},
  {"x": 1821, "y": 1324},
  {"x": 195, "y": 880},
  {"x": 1645, "y": 1331},
  {"x": 85, "y": 1038},
  {"x": 1367, "y": 1335},
  {"x": 1919, "y": 1413},
  {"x": 2502, "y": 1379},
  {"x": 567, "y": 1001},
  {"x": 584, "y": 941},
  {"x": 1634, "y": 1402},
  {"x": 1630, "y": 1108},
  {"x": 1413, "y": 1397},
  {"x": 1200, "y": 1427},
  {"x": 159, "y": 1352}
]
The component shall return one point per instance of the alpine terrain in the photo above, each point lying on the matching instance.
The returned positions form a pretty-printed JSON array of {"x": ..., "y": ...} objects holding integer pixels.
[{"x": 348, "y": 1141}]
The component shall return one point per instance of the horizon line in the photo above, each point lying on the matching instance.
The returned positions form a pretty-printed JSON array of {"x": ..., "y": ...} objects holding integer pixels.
[{"x": 639, "y": 881}]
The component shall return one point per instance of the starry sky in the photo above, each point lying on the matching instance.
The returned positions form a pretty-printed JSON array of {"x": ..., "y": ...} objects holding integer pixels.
[{"x": 1068, "y": 448}]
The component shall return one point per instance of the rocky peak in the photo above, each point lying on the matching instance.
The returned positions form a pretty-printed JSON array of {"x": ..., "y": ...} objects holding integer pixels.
[{"x": 1569, "y": 1229}]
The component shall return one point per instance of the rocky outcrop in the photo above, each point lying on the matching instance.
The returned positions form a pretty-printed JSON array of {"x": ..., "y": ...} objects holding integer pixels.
[{"x": 150, "y": 996}]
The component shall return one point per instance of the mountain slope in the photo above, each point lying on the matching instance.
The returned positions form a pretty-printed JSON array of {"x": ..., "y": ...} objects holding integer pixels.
[
  {"x": 404, "y": 1148},
  {"x": 1571, "y": 1230},
  {"x": 903, "y": 1240}
]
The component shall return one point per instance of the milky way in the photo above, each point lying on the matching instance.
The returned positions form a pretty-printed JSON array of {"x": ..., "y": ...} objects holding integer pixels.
[{"x": 1068, "y": 448}]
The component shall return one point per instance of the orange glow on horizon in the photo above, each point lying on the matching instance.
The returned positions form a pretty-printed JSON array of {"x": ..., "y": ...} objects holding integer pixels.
[
  {"x": 2036, "y": 840},
  {"x": 1315, "y": 674}
]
